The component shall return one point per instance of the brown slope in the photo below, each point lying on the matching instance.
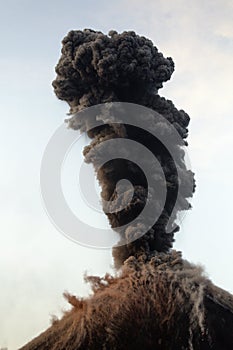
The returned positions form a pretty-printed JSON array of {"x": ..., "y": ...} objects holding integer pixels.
[{"x": 162, "y": 303}]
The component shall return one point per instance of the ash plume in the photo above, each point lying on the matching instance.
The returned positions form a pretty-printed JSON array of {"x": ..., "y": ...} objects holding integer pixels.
[{"x": 95, "y": 68}]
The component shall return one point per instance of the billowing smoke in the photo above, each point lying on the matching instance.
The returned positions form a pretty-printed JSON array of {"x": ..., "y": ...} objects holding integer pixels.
[{"x": 96, "y": 68}]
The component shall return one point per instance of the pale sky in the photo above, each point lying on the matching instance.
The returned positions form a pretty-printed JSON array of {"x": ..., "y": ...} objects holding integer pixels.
[{"x": 37, "y": 263}]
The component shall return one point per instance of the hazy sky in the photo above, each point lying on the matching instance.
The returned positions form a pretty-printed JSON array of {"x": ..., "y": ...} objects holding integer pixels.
[{"x": 36, "y": 262}]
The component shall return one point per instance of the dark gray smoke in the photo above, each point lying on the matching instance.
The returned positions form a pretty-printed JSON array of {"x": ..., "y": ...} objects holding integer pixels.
[{"x": 96, "y": 68}]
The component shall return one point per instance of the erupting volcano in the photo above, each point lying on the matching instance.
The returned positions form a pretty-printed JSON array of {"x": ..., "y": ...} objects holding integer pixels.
[{"x": 156, "y": 300}]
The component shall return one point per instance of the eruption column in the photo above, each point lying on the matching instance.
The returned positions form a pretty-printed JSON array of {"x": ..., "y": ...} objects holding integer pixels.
[{"x": 95, "y": 68}]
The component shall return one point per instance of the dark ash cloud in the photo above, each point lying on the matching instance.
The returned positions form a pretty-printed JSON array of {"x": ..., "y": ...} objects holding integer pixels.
[{"x": 96, "y": 68}]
